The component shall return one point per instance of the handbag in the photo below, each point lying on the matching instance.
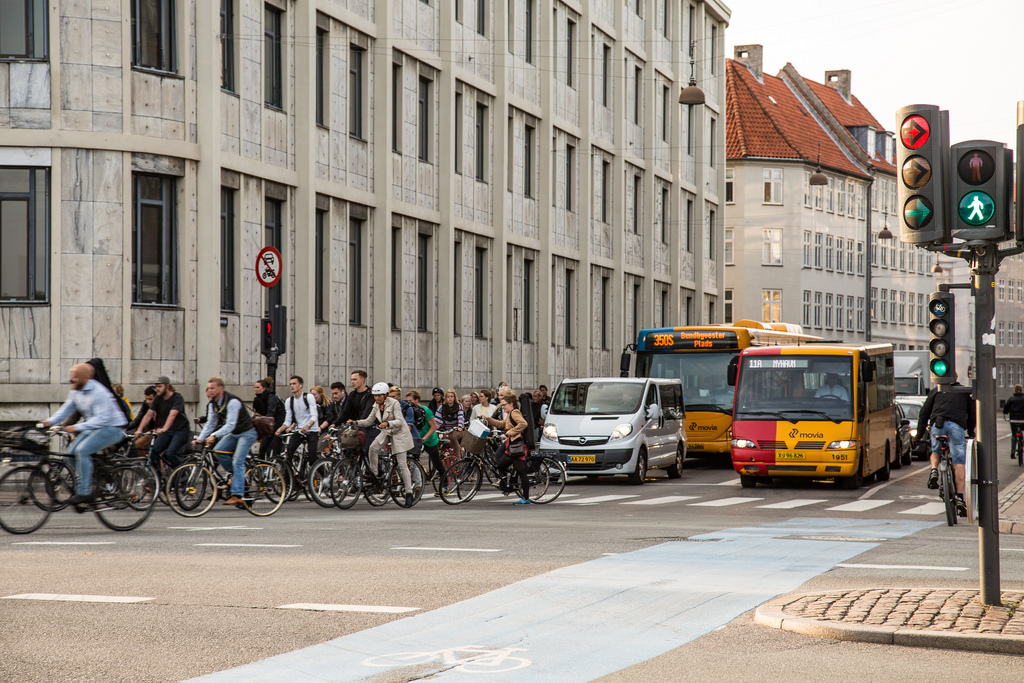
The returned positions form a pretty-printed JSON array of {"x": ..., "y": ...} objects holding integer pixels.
[
  {"x": 264, "y": 426},
  {"x": 516, "y": 449}
]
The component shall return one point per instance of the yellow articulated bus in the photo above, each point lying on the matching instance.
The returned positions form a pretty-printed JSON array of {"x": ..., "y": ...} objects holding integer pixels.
[
  {"x": 817, "y": 410},
  {"x": 700, "y": 357}
]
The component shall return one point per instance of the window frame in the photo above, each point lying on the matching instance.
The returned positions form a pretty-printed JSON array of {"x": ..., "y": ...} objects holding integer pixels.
[
  {"x": 169, "y": 262},
  {"x": 228, "y": 301},
  {"x": 166, "y": 40},
  {"x": 36, "y": 253},
  {"x": 273, "y": 57},
  {"x": 356, "y": 94},
  {"x": 228, "y": 81}
]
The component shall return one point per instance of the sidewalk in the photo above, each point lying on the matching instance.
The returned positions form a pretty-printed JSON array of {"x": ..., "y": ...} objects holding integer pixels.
[{"x": 922, "y": 617}]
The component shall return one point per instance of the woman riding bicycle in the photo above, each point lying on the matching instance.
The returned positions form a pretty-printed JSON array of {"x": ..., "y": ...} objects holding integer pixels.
[
  {"x": 1014, "y": 410},
  {"x": 386, "y": 415},
  {"x": 514, "y": 453}
]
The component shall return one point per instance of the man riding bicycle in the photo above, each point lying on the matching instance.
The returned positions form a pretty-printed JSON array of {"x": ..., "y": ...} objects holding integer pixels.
[
  {"x": 1014, "y": 410},
  {"x": 102, "y": 426},
  {"x": 386, "y": 415},
  {"x": 952, "y": 415},
  {"x": 229, "y": 421}
]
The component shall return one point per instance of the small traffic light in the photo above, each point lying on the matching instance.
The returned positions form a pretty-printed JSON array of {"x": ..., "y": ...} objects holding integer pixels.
[
  {"x": 982, "y": 175},
  {"x": 942, "y": 347},
  {"x": 266, "y": 336},
  {"x": 279, "y": 315},
  {"x": 921, "y": 158}
]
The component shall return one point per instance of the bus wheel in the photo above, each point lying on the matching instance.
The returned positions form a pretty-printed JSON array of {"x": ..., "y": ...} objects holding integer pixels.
[
  {"x": 883, "y": 473},
  {"x": 747, "y": 481},
  {"x": 850, "y": 483}
]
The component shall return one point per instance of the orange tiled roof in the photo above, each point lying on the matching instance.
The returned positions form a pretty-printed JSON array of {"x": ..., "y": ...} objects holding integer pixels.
[{"x": 852, "y": 113}]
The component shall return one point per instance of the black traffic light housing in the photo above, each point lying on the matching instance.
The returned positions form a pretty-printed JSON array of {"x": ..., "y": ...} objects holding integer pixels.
[
  {"x": 266, "y": 336},
  {"x": 274, "y": 332},
  {"x": 942, "y": 346},
  {"x": 922, "y": 155},
  {"x": 981, "y": 178}
]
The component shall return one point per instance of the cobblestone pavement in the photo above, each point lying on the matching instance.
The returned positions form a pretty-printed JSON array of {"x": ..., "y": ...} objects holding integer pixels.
[{"x": 1011, "y": 507}]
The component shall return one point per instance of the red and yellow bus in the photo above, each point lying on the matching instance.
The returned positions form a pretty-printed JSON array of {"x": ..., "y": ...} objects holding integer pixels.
[
  {"x": 699, "y": 355},
  {"x": 817, "y": 410}
]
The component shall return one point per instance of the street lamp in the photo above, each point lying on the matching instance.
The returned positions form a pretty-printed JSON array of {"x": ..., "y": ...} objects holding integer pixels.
[
  {"x": 691, "y": 94},
  {"x": 818, "y": 178}
]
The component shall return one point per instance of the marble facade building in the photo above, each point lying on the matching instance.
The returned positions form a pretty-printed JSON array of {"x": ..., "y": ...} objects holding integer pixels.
[{"x": 462, "y": 192}]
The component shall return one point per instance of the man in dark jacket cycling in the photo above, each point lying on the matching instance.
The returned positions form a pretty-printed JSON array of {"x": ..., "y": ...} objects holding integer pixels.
[
  {"x": 952, "y": 415},
  {"x": 1014, "y": 409}
]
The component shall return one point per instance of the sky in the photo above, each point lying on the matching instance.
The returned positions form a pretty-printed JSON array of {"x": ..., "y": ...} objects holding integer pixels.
[{"x": 900, "y": 52}]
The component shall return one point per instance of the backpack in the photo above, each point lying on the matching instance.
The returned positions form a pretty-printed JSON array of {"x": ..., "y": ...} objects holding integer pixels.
[
  {"x": 419, "y": 416},
  {"x": 291, "y": 405},
  {"x": 526, "y": 408}
]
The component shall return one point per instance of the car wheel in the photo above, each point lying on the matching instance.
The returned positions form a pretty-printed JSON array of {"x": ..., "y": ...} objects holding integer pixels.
[
  {"x": 675, "y": 470},
  {"x": 640, "y": 473},
  {"x": 897, "y": 462}
]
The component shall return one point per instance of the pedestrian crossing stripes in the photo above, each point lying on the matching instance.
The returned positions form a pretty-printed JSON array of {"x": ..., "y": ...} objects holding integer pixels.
[
  {"x": 660, "y": 501},
  {"x": 790, "y": 504},
  {"x": 859, "y": 505},
  {"x": 723, "y": 502}
]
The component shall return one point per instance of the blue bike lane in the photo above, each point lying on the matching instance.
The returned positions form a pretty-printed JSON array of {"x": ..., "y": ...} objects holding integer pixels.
[{"x": 581, "y": 622}]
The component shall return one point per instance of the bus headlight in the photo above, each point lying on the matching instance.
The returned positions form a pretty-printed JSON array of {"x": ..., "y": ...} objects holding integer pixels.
[
  {"x": 743, "y": 443},
  {"x": 842, "y": 445},
  {"x": 551, "y": 432},
  {"x": 620, "y": 431}
]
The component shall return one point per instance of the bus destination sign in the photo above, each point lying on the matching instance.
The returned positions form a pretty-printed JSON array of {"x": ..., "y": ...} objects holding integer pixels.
[{"x": 690, "y": 340}]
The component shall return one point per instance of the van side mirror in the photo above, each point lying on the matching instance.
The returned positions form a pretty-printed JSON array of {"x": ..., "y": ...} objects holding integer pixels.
[
  {"x": 624, "y": 364},
  {"x": 653, "y": 411},
  {"x": 730, "y": 373}
]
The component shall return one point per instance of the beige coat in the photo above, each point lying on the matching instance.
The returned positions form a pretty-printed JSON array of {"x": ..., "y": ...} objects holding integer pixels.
[{"x": 397, "y": 429}]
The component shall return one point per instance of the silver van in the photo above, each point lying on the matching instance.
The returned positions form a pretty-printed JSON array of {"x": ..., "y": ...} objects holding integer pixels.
[{"x": 617, "y": 425}]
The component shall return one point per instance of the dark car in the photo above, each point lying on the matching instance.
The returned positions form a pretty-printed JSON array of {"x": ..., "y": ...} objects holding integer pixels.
[
  {"x": 903, "y": 448},
  {"x": 911, "y": 406}
]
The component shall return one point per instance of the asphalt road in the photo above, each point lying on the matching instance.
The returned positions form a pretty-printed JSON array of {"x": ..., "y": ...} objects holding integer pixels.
[{"x": 215, "y": 585}]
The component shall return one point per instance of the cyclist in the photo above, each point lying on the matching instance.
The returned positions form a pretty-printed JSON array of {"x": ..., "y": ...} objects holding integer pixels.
[
  {"x": 451, "y": 418},
  {"x": 167, "y": 413},
  {"x": 102, "y": 426},
  {"x": 952, "y": 415},
  {"x": 386, "y": 415},
  {"x": 300, "y": 418},
  {"x": 228, "y": 420},
  {"x": 514, "y": 424},
  {"x": 1014, "y": 409},
  {"x": 428, "y": 432}
]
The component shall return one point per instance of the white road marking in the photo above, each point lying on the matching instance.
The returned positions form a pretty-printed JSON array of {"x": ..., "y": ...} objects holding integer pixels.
[
  {"x": 795, "y": 503},
  {"x": 65, "y": 597},
  {"x": 903, "y": 566},
  {"x": 723, "y": 502},
  {"x": 64, "y": 543},
  {"x": 381, "y": 609},
  {"x": 247, "y": 545},
  {"x": 216, "y": 528},
  {"x": 860, "y": 505},
  {"x": 731, "y": 482},
  {"x": 926, "y": 509},
  {"x": 660, "y": 501},
  {"x": 602, "y": 499},
  {"x": 450, "y": 550}
]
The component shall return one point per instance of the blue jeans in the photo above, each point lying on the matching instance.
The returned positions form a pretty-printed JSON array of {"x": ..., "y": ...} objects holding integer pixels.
[
  {"x": 87, "y": 444},
  {"x": 957, "y": 443},
  {"x": 171, "y": 442},
  {"x": 240, "y": 444}
]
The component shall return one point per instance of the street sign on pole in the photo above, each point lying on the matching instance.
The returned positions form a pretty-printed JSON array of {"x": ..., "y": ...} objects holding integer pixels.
[{"x": 268, "y": 266}]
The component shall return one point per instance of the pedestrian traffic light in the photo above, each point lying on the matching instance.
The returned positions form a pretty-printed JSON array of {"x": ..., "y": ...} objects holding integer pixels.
[
  {"x": 942, "y": 347},
  {"x": 982, "y": 175},
  {"x": 921, "y": 158},
  {"x": 266, "y": 336},
  {"x": 279, "y": 316}
]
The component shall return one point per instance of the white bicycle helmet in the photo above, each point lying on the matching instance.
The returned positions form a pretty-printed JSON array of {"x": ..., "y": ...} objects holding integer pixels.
[{"x": 380, "y": 389}]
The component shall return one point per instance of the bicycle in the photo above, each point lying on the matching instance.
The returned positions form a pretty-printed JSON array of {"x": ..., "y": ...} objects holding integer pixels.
[
  {"x": 1017, "y": 442},
  {"x": 352, "y": 476},
  {"x": 123, "y": 493},
  {"x": 462, "y": 481},
  {"x": 319, "y": 475},
  {"x": 447, "y": 454},
  {"x": 294, "y": 469},
  {"x": 194, "y": 487},
  {"x": 947, "y": 480}
]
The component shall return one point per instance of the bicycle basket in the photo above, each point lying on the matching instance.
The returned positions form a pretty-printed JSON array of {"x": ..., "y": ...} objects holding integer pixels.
[
  {"x": 23, "y": 442},
  {"x": 352, "y": 438},
  {"x": 472, "y": 444}
]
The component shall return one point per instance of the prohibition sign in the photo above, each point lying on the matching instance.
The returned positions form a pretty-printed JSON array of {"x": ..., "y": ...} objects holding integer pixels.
[{"x": 268, "y": 266}]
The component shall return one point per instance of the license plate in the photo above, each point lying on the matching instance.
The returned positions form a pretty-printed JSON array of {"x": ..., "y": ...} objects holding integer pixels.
[
  {"x": 782, "y": 455},
  {"x": 694, "y": 446},
  {"x": 582, "y": 459}
]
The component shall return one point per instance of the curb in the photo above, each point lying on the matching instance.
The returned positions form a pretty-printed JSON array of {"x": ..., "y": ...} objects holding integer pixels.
[
  {"x": 771, "y": 614},
  {"x": 1011, "y": 524}
]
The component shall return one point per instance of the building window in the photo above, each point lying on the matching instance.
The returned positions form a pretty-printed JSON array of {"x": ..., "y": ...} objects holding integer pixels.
[
  {"x": 458, "y": 131},
  {"x": 840, "y": 254},
  {"x": 154, "y": 240},
  {"x": 357, "y": 101},
  {"x": 849, "y": 313},
  {"x": 527, "y": 300},
  {"x": 688, "y": 231},
  {"x": 570, "y": 189},
  {"x": 817, "y": 249},
  {"x": 396, "y": 278},
  {"x": 24, "y": 234},
  {"x": 729, "y": 198},
  {"x": 860, "y": 258},
  {"x": 807, "y": 189},
  {"x": 840, "y": 315},
  {"x": 320, "y": 261},
  {"x": 604, "y": 312},
  {"x": 481, "y": 17},
  {"x": 885, "y": 305},
  {"x": 422, "y": 282},
  {"x": 227, "y": 249},
  {"x": 1001, "y": 342},
  {"x": 273, "y": 58},
  {"x": 771, "y": 305},
  {"x": 830, "y": 205},
  {"x": 727, "y": 304},
  {"x": 773, "y": 186},
  {"x": 423, "y": 120},
  {"x": 323, "y": 53},
  {"x": 664, "y": 113},
  {"x": 606, "y": 171},
  {"x": 712, "y": 136},
  {"x": 808, "y": 249},
  {"x": 481, "y": 142},
  {"x": 606, "y": 76},
  {"x": 817, "y": 309},
  {"x": 850, "y": 254},
  {"x": 23, "y": 34},
  {"x": 903, "y": 307},
  {"x": 828, "y": 310},
  {"x": 528, "y": 162},
  {"x": 227, "y": 45},
  {"x": 664, "y": 215},
  {"x": 829, "y": 250},
  {"x": 570, "y": 52},
  {"x": 273, "y": 235},
  {"x": 569, "y": 295},
  {"x": 529, "y": 31},
  {"x": 153, "y": 34},
  {"x": 355, "y": 271},
  {"x": 807, "y": 308},
  {"x": 479, "y": 294},
  {"x": 396, "y": 108},
  {"x": 860, "y": 314},
  {"x": 771, "y": 247},
  {"x": 636, "y": 204},
  {"x": 637, "y": 93}
]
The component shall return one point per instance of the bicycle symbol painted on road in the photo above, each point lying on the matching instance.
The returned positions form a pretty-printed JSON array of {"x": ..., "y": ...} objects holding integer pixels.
[{"x": 467, "y": 658}]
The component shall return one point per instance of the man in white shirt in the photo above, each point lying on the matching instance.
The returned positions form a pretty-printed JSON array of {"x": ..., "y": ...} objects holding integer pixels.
[
  {"x": 832, "y": 388},
  {"x": 300, "y": 417}
]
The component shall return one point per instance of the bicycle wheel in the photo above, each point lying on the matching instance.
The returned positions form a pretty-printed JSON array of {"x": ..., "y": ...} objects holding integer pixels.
[
  {"x": 60, "y": 481},
  {"x": 130, "y": 503},
  {"x": 25, "y": 502},
  {"x": 416, "y": 476},
  {"x": 318, "y": 482},
  {"x": 948, "y": 490},
  {"x": 547, "y": 480},
  {"x": 461, "y": 481},
  {"x": 191, "y": 490},
  {"x": 377, "y": 491},
  {"x": 447, "y": 460},
  {"x": 264, "y": 485},
  {"x": 346, "y": 483}
]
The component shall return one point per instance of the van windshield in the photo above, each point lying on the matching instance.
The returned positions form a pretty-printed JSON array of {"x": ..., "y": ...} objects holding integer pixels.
[{"x": 597, "y": 398}]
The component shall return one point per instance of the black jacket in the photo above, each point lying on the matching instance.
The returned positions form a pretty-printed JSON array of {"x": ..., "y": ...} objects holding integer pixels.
[
  {"x": 1014, "y": 407},
  {"x": 268, "y": 404},
  {"x": 956, "y": 406},
  {"x": 358, "y": 405}
]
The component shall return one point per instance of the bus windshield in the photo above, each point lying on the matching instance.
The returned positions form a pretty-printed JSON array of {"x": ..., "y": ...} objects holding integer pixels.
[
  {"x": 704, "y": 376},
  {"x": 597, "y": 398},
  {"x": 794, "y": 387}
]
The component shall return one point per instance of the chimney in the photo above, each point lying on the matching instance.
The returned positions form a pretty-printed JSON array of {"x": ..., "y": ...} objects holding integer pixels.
[
  {"x": 840, "y": 80},
  {"x": 750, "y": 56}
]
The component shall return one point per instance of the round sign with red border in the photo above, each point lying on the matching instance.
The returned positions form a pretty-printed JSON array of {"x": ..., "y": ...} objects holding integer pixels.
[
  {"x": 268, "y": 266},
  {"x": 915, "y": 131}
]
